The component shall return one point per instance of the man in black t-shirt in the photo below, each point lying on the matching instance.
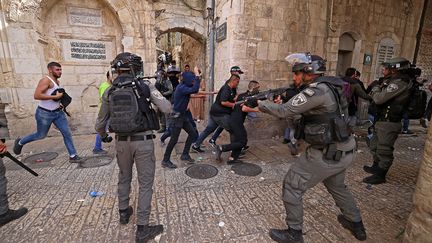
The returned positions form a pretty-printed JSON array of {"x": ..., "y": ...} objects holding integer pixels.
[
  {"x": 238, "y": 134},
  {"x": 225, "y": 102}
]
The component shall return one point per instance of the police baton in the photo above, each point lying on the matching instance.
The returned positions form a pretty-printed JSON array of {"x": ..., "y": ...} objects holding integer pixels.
[{"x": 7, "y": 154}]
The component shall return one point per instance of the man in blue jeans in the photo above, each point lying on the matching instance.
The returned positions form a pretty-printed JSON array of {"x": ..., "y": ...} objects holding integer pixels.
[{"x": 48, "y": 112}]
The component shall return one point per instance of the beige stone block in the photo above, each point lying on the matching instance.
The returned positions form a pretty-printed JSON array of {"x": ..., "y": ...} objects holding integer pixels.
[
  {"x": 277, "y": 35},
  {"x": 26, "y": 95},
  {"x": 262, "y": 50},
  {"x": 27, "y": 66},
  {"x": 262, "y": 22},
  {"x": 30, "y": 81},
  {"x": 251, "y": 50},
  {"x": 21, "y": 50},
  {"x": 273, "y": 51},
  {"x": 18, "y": 35}
]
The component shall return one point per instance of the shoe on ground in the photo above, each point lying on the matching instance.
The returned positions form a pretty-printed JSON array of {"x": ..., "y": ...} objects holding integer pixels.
[
  {"x": 11, "y": 215},
  {"x": 75, "y": 159},
  {"x": 145, "y": 233},
  {"x": 187, "y": 159},
  {"x": 217, "y": 152},
  {"x": 407, "y": 132},
  {"x": 423, "y": 122},
  {"x": 234, "y": 161},
  {"x": 374, "y": 179},
  {"x": 212, "y": 143},
  {"x": 17, "y": 147},
  {"x": 285, "y": 141},
  {"x": 286, "y": 236},
  {"x": 168, "y": 164},
  {"x": 197, "y": 149},
  {"x": 245, "y": 148},
  {"x": 294, "y": 149},
  {"x": 371, "y": 169},
  {"x": 99, "y": 151},
  {"x": 357, "y": 228},
  {"x": 125, "y": 215}
]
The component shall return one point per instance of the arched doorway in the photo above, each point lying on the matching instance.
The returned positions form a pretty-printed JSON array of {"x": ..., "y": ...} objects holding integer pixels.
[
  {"x": 186, "y": 48},
  {"x": 345, "y": 53},
  {"x": 84, "y": 37}
]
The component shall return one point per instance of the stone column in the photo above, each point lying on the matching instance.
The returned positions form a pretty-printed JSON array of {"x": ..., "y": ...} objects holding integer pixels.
[{"x": 419, "y": 226}]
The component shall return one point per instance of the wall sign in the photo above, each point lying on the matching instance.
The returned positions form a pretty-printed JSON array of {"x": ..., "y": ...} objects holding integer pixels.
[
  {"x": 85, "y": 17},
  {"x": 367, "y": 60},
  {"x": 221, "y": 32},
  {"x": 86, "y": 50}
]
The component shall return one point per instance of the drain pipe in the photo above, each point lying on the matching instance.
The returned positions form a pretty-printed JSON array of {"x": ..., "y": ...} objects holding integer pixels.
[
  {"x": 419, "y": 33},
  {"x": 211, "y": 4}
]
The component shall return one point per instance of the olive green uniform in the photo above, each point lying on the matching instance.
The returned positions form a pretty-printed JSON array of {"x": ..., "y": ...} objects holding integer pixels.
[
  {"x": 313, "y": 167},
  {"x": 391, "y": 100}
]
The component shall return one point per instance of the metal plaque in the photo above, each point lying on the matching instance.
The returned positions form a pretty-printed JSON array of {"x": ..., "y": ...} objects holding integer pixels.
[
  {"x": 367, "y": 60},
  {"x": 201, "y": 171},
  {"x": 221, "y": 32},
  {"x": 246, "y": 169},
  {"x": 96, "y": 161}
]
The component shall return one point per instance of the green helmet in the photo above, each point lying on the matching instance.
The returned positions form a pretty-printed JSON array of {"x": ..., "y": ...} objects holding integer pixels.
[
  {"x": 398, "y": 63},
  {"x": 307, "y": 63}
]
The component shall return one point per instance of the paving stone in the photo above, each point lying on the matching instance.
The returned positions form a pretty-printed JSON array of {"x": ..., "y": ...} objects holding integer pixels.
[{"x": 225, "y": 208}]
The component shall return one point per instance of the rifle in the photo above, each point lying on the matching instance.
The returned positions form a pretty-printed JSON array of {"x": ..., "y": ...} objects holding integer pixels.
[
  {"x": 7, "y": 154},
  {"x": 266, "y": 94}
]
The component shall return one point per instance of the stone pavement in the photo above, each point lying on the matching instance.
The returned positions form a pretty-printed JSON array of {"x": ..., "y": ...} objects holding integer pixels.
[{"x": 225, "y": 208}]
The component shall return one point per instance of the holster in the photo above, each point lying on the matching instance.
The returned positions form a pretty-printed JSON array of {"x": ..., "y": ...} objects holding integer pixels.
[{"x": 331, "y": 152}]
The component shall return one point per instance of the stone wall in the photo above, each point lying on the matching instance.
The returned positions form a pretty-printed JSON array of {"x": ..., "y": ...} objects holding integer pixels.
[
  {"x": 84, "y": 36},
  {"x": 424, "y": 59}
]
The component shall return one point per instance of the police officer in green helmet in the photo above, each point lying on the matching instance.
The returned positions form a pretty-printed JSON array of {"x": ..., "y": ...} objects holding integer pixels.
[
  {"x": 127, "y": 108},
  {"x": 391, "y": 99},
  {"x": 322, "y": 108}
]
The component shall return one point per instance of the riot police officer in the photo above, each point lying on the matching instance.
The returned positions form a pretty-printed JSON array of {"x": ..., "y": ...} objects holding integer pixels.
[
  {"x": 127, "y": 105},
  {"x": 323, "y": 111},
  {"x": 391, "y": 99}
]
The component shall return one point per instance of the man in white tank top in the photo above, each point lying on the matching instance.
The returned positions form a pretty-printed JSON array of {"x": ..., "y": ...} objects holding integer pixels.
[{"x": 49, "y": 112}]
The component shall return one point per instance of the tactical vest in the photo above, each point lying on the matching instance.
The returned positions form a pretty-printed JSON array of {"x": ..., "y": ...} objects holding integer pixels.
[
  {"x": 130, "y": 107},
  {"x": 394, "y": 109},
  {"x": 331, "y": 127}
]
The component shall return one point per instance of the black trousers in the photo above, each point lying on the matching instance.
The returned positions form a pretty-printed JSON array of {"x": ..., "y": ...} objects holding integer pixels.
[
  {"x": 238, "y": 138},
  {"x": 179, "y": 123},
  {"x": 428, "y": 111}
]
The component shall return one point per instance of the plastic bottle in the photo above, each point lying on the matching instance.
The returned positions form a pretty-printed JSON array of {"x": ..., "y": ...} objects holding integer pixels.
[{"x": 95, "y": 193}]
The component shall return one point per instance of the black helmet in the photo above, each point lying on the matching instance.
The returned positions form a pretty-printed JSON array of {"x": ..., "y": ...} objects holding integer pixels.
[
  {"x": 127, "y": 61},
  {"x": 307, "y": 63},
  {"x": 398, "y": 63}
]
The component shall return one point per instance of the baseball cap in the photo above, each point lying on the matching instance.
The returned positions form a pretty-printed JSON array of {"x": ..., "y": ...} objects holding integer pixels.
[{"x": 236, "y": 69}]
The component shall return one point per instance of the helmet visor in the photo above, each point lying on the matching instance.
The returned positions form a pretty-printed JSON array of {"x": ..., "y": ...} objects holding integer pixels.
[{"x": 297, "y": 58}]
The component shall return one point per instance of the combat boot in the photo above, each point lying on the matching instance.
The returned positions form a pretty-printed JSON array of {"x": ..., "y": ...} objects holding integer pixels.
[
  {"x": 12, "y": 215},
  {"x": 145, "y": 233},
  {"x": 286, "y": 236},
  {"x": 125, "y": 215},
  {"x": 378, "y": 177},
  {"x": 371, "y": 169},
  {"x": 357, "y": 228}
]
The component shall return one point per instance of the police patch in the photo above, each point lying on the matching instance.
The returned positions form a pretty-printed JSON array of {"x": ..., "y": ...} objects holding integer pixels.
[
  {"x": 299, "y": 100},
  {"x": 309, "y": 92},
  {"x": 392, "y": 88}
]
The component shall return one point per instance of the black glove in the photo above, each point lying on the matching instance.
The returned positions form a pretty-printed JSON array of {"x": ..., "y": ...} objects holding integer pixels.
[
  {"x": 251, "y": 102},
  {"x": 107, "y": 138}
]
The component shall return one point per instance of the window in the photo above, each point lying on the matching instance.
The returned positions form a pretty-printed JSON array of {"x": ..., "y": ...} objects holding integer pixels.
[{"x": 386, "y": 51}]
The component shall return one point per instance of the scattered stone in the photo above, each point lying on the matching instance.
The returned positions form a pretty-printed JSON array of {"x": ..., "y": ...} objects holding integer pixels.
[{"x": 221, "y": 224}]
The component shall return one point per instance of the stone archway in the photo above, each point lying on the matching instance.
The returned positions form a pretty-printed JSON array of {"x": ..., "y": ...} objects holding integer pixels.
[{"x": 349, "y": 52}]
